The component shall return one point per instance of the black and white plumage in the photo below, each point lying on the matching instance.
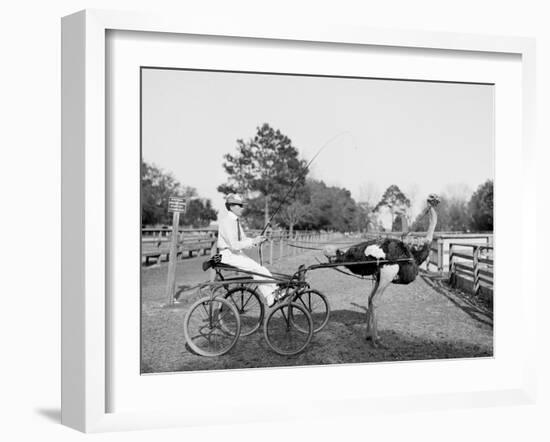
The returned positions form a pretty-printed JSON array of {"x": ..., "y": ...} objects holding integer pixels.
[
  {"x": 389, "y": 249},
  {"x": 386, "y": 249}
]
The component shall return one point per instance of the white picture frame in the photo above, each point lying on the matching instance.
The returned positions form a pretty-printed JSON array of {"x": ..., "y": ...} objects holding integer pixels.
[{"x": 86, "y": 314}]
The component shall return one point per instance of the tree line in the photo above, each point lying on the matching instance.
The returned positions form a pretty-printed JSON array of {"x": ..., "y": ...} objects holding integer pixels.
[
  {"x": 267, "y": 170},
  {"x": 266, "y": 166},
  {"x": 157, "y": 186}
]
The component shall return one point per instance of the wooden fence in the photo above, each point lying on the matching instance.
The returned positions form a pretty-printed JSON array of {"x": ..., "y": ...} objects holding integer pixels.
[
  {"x": 467, "y": 258},
  {"x": 166, "y": 232},
  {"x": 440, "y": 248},
  {"x": 282, "y": 244},
  {"x": 471, "y": 267},
  {"x": 279, "y": 245},
  {"x": 158, "y": 248}
]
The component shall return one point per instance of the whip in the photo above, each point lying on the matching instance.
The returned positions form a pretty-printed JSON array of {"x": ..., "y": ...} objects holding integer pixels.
[{"x": 300, "y": 176}]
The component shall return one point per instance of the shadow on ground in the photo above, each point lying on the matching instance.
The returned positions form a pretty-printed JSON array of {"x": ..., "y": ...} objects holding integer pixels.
[
  {"x": 475, "y": 311},
  {"x": 181, "y": 289},
  {"x": 342, "y": 341}
]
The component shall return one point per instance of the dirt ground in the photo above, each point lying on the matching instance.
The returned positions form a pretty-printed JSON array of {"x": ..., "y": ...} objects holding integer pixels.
[{"x": 423, "y": 320}]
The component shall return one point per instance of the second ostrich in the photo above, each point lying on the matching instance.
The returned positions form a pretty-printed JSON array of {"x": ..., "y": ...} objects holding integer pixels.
[{"x": 388, "y": 249}]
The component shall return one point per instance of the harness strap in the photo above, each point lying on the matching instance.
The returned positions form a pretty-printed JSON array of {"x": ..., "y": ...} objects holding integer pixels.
[
  {"x": 343, "y": 271},
  {"x": 303, "y": 247}
]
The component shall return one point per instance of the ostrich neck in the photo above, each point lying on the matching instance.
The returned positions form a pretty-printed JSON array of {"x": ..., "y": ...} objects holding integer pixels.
[
  {"x": 420, "y": 254},
  {"x": 431, "y": 227}
]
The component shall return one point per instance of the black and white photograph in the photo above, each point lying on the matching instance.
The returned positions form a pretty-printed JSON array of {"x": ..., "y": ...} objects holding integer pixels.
[
  {"x": 306, "y": 220},
  {"x": 240, "y": 220}
]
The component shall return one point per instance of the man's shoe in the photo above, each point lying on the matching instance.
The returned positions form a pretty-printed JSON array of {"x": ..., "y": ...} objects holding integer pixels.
[
  {"x": 280, "y": 293},
  {"x": 271, "y": 300}
]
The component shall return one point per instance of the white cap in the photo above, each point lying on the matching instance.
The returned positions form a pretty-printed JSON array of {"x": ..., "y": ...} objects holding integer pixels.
[{"x": 233, "y": 198}]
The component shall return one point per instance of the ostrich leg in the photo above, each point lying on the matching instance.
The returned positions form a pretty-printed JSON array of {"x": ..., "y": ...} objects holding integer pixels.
[
  {"x": 387, "y": 275},
  {"x": 370, "y": 310}
]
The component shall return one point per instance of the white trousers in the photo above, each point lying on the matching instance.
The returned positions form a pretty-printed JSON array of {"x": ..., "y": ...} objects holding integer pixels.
[{"x": 243, "y": 262}]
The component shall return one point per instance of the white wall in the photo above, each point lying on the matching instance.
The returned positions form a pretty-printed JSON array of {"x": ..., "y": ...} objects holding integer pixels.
[{"x": 30, "y": 178}]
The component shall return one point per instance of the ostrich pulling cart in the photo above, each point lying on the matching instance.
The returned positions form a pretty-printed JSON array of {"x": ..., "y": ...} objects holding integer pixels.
[{"x": 232, "y": 307}]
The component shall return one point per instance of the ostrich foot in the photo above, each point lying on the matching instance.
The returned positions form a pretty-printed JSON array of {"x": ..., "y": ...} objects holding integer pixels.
[{"x": 376, "y": 342}]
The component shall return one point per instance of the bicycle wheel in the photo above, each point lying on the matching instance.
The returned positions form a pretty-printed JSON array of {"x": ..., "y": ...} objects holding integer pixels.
[
  {"x": 249, "y": 306},
  {"x": 203, "y": 330},
  {"x": 281, "y": 333},
  {"x": 317, "y": 305}
]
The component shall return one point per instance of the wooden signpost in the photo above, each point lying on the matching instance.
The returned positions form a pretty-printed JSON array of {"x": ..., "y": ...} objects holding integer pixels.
[{"x": 176, "y": 205}]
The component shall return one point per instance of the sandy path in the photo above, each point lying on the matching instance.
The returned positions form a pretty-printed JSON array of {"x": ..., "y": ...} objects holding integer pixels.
[{"x": 423, "y": 320}]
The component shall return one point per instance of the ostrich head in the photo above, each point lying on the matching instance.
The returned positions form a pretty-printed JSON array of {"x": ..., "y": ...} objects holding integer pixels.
[{"x": 433, "y": 200}]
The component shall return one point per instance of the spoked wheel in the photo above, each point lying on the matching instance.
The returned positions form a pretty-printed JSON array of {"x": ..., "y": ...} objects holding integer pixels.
[
  {"x": 249, "y": 306},
  {"x": 203, "y": 328},
  {"x": 282, "y": 334},
  {"x": 317, "y": 305}
]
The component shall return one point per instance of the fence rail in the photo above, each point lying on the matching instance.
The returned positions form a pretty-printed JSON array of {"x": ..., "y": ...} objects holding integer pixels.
[
  {"x": 439, "y": 256},
  {"x": 472, "y": 270},
  {"x": 158, "y": 248},
  {"x": 466, "y": 257},
  {"x": 279, "y": 245},
  {"x": 282, "y": 244},
  {"x": 166, "y": 232}
]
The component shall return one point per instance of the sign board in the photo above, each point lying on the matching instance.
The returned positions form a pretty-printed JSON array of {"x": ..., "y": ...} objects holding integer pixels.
[{"x": 176, "y": 204}]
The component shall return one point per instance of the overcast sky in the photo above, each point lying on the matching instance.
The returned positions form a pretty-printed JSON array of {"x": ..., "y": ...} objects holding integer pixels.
[{"x": 424, "y": 137}]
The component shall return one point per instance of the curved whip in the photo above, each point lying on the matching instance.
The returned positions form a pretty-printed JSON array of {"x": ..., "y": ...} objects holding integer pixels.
[{"x": 302, "y": 174}]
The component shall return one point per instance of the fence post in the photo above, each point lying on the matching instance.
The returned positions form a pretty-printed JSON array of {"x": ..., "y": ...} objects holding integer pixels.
[
  {"x": 451, "y": 266},
  {"x": 213, "y": 250},
  {"x": 271, "y": 251},
  {"x": 439, "y": 255},
  {"x": 180, "y": 244},
  {"x": 281, "y": 245},
  {"x": 171, "y": 279},
  {"x": 476, "y": 270},
  {"x": 429, "y": 260}
]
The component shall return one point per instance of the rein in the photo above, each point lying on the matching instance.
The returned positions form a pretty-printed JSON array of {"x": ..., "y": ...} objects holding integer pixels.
[
  {"x": 343, "y": 271},
  {"x": 303, "y": 247}
]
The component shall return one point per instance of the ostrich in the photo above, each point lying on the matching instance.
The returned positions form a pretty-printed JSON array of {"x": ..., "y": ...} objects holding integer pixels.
[{"x": 403, "y": 272}]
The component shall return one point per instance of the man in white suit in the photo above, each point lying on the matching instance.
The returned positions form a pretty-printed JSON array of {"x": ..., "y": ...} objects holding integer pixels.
[{"x": 232, "y": 241}]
